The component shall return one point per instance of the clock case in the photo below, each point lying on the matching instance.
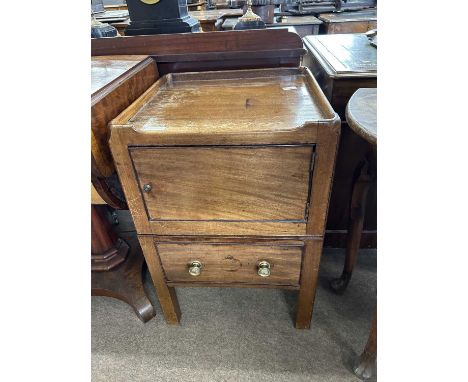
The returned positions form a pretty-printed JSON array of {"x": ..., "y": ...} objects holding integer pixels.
[{"x": 166, "y": 16}]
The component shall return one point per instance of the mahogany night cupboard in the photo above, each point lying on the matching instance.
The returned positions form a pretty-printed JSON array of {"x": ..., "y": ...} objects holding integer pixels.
[
  {"x": 227, "y": 176},
  {"x": 122, "y": 70}
]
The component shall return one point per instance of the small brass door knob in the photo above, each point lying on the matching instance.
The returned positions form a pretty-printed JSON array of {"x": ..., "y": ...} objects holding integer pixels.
[
  {"x": 195, "y": 268},
  {"x": 264, "y": 269},
  {"x": 147, "y": 187}
]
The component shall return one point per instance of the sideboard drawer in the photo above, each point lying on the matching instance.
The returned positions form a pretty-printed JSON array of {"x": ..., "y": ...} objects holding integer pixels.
[
  {"x": 268, "y": 183},
  {"x": 232, "y": 263}
]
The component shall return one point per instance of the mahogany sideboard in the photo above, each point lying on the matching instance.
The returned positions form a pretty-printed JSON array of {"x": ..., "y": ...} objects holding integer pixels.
[
  {"x": 227, "y": 175},
  {"x": 343, "y": 63}
]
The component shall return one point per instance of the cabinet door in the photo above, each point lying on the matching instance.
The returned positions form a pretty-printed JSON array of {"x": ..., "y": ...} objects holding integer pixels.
[{"x": 225, "y": 183}]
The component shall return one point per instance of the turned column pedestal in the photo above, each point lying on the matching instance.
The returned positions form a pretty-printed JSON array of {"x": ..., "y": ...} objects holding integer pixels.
[{"x": 117, "y": 269}]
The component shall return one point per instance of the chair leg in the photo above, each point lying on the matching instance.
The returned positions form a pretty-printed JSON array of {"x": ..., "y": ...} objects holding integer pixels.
[
  {"x": 356, "y": 222},
  {"x": 366, "y": 366}
]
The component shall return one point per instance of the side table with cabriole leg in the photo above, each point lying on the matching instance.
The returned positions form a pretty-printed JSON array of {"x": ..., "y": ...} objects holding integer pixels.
[{"x": 361, "y": 115}]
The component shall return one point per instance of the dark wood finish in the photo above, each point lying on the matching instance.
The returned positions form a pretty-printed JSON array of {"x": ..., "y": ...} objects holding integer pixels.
[
  {"x": 338, "y": 239},
  {"x": 342, "y": 64},
  {"x": 366, "y": 366},
  {"x": 125, "y": 283},
  {"x": 120, "y": 80},
  {"x": 361, "y": 114},
  {"x": 133, "y": 73},
  {"x": 102, "y": 236},
  {"x": 210, "y": 51},
  {"x": 179, "y": 53},
  {"x": 234, "y": 263},
  {"x": 107, "y": 250},
  {"x": 309, "y": 278},
  {"x": 250, "y": 157},
  {"x": 116, "y": 271},
  {"x": 277, "y": 41},
  {"x": 182, "y": 178},
  {"x": 297, "y": 125},
  {"x": 348, "y": 22},
  {"x": 356, "y": 221}
]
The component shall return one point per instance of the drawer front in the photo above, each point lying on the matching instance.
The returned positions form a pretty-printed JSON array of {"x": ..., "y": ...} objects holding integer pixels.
[
  {"x": 231, "y": 263},
  {"x": 225, "y": 183}
]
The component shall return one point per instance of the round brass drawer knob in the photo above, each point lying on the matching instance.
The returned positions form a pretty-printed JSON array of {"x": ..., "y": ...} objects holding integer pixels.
[
  {"x": 264, "y": 269},
  {"x": 195, "y": 268}
]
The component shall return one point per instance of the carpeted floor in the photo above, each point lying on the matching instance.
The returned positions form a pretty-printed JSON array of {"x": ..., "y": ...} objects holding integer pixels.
[{"x": 237, "y": 334}]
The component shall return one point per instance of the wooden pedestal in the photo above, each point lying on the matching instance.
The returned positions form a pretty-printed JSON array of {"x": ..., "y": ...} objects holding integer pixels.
[{"x": 117, "y": 270}]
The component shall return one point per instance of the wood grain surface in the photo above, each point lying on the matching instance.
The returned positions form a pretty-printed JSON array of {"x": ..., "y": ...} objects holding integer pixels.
[
  {"x": 249, "y": 183},
  {"x": 342, "y": 64},
  {"x": 105, "y": 69},
  {"x": 183, "y": 43},
  {"x": 361, "y": 114},
  {"x": 166, "y": 294},
  {"x": 237, "y": 168},
  {"x": 231, "y": 263},
  {"x": 110, "y": 100},
  {"x": 125, "y": 133},
  {"x": 228, "y": 101},
  {"x": 349, "y": 22},
  {"x": 343, "y": 55}
]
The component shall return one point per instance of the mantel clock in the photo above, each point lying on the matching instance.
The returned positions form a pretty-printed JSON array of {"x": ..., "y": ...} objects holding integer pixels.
[{"x": 159, "y": 17}]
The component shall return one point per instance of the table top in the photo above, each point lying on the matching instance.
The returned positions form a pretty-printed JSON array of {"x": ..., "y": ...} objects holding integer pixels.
[
  {"x": 286, "y": 22},
  {"x": 343, "y": 17},
  {"x": 361, "y": 114},
  {"x": 229, "y": 102},
  {"x": 344, "y": 55},
  {"x": 297, "y": 20},
  {"x": 105, "y": 69},
  {"x": 215, "y": 14}
]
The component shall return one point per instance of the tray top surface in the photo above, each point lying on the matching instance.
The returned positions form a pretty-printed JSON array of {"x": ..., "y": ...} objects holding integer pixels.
[
  {"x": 105, "y": 69},
  {"x": 345, "y": 53},
  {"x": 230, "y": 101}
]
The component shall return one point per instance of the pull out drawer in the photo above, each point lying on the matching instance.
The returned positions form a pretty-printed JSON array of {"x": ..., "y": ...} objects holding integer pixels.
[{"x": 231, "y": 263}]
